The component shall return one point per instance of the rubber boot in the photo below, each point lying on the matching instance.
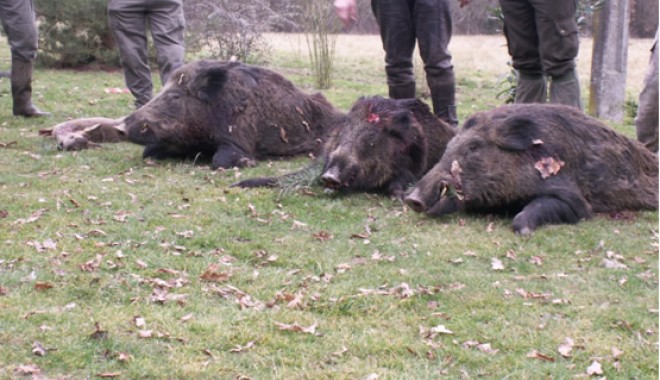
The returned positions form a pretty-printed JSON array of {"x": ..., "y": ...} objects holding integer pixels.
[
  {"x": 531, "y": 89},
  {"x": 444, "y": 107},
  {"x": 406, "y": 91},
  {"x": 21, "y": 89},
  {"x": 565, "y": 89}
]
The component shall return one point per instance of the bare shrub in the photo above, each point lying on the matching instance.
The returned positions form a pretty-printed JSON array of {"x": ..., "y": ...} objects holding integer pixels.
[
  {"x": 233, "y": 29},
  {"x": 321, "y": 29}
]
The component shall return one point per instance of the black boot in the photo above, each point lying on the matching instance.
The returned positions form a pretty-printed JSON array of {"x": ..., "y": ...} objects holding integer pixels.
[
  {"x": 21, "y": 89},
  {"x": 444, "y": 106},
  {"x": 447, "y": 114},
  {"x": 406, "y": 91}
]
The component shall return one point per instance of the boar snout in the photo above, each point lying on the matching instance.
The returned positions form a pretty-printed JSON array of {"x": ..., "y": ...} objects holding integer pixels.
[
  {"x": 330, "y": 179},
  {"x": 415, "y": 202}
]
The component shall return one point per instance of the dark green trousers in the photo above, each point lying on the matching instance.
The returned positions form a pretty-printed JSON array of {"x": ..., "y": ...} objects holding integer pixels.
[
  {"x": 18, "y": 23},
  {"x": 129, "y": 20}
]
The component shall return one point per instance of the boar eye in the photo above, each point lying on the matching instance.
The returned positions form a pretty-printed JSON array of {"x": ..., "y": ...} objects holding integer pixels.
[{"x": 474, "y": 145}]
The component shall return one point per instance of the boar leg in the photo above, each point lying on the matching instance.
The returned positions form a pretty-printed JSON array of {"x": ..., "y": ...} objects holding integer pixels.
[
  {"x": 546, "y": 210},
  {"x": 229, "y": 156}
]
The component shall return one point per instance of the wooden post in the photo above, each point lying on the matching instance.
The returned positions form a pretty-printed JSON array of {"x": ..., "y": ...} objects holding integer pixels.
[{"x": 609, "y": 60}]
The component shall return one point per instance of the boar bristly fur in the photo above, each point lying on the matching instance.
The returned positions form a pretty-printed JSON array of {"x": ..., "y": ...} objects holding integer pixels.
[
  {"x": 547, "y": 163},
  {"x": 234, "y": 113}
]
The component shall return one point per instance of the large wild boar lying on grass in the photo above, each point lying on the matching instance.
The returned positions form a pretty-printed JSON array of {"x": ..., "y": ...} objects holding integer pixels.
[
  {"x": 385, "y": 145},
  {"x": 232, "y": 112},
  {"x": 547, "y": 163}
]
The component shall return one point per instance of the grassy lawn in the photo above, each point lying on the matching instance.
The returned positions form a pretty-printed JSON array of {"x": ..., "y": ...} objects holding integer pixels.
[{"x": 111, "y": 266}]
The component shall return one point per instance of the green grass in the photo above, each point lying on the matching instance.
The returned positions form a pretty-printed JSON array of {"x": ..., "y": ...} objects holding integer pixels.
[{"x": 121, "y": 226}]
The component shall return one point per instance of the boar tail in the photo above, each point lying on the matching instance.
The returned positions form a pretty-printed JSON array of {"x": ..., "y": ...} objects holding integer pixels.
[{"x": 290, "y": 182}]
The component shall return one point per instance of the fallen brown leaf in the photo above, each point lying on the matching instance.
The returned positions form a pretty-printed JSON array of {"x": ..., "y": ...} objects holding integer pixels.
[
  {"x": 33, "y": 218},
  {"x": 212, "y": 274},
  {"x": 38, "y": 349},
  {"x": 548, "y": 166},
  {"x": 496, "y": 264},
  {"x": 108, "y": 374},
  {"x": 41, "y": 286},
  {"x": 566, "y": 347},
  {"x": 537, "y": 355},
  {"x": 124, "y": 357},
  {"x": 98, "y": 333},
  {"x": 27, "y": 369},
  {"x": 322, "y": 236},
  {"x": 238, "y": 348},
  {"x": 295, "y": 327},
  {"x": 595, "y": 369}
]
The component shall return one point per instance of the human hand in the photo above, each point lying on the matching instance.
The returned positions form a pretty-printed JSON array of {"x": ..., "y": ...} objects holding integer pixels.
[{"x": 346, "y": 11}]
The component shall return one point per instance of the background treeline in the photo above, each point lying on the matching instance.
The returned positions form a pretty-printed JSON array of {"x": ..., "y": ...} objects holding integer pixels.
[{"x": 75, "y": 33}]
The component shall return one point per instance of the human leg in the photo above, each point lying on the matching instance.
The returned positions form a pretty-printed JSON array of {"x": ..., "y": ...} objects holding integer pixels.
[
  {"x": 433, "y": 28},
  {"x": 396, "y": 30},
  {"x": 167, "y": 29},
  {"x": 128, "y": 25},
  {"x": 522, "y": 42},
  {"x": 558, "y": 47},
  {"x": 646, "y": 121},
  {"x": 19, "y": 25}
]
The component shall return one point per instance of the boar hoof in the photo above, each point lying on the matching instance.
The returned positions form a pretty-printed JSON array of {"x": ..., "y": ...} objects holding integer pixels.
[{"x": 524, "y": 231}]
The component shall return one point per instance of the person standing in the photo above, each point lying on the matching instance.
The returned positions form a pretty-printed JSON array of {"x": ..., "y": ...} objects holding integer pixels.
[
  {"x": 542, "y": 38},
  {"x": 128, "y": 20},
  {"x": 404, "y": 23},
  {"x": 646, "y": 122},
  {"x": 18, "y": 22}
]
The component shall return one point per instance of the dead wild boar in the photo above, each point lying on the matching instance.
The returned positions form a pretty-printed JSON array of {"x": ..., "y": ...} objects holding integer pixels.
[
  {"x": 232, "y": 113},
  {"x": 79, "y": 134},
  {"x": 549, "y": 164},
  {"x": 384, "y": 146}
]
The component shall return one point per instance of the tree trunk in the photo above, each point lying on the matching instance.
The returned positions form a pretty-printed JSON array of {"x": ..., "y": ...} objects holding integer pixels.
[{"x": 609, "y": 60}]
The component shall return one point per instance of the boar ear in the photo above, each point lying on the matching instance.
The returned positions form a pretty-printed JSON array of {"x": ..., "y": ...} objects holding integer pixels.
[
  {"x": 121, "y": 128},
  {"x": 404, "y": 127},
  {"x": 516, "y": 133},
  {"x": 209, "y": 82}
]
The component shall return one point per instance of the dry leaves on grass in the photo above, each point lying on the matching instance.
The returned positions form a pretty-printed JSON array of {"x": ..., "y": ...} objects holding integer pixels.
[
  {"x": 322, "y": 236},
  {"x": 38, "y": 349},
  {"x": 566, "y": 347},
  {"x": 33, "y": 218},
  {"x": 496, "y": 264},
  {"x": 213, "y": 274},
  {"x": 595, "y": 369},
  {"x": 108, "y": 374},
  {"x": 295, "y": 327},
  {"x": 244, "y": 300},
  {"x": 534, "y": 354},
  {"x": 483, "y": 347},
  {"x": 548, "y": 166},
  {"x": 238, "y": 348},
  {"x": 27, "y": 369}
]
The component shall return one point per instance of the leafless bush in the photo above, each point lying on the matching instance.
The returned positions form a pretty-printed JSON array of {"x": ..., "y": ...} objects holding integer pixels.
[
  {"x": 321, "y": 28},
  {"x": 233, "y": 29}
]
